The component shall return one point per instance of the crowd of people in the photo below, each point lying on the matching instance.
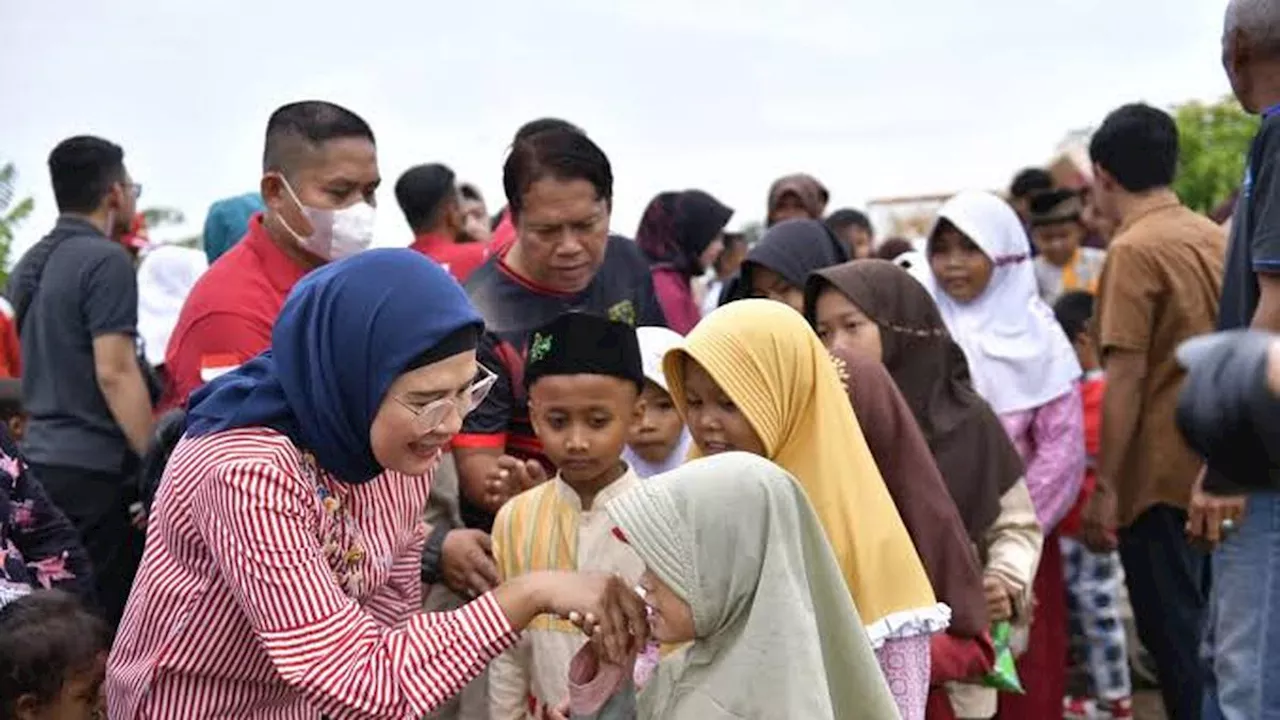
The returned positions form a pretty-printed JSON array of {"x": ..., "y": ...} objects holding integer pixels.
[{"x": 526, "y": 467}]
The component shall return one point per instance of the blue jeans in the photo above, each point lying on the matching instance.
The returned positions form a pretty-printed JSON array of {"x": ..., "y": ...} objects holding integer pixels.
[{"x": 1242, "y": 635}]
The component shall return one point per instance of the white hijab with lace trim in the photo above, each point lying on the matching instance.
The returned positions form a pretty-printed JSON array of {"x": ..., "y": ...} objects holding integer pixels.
[{"x": 1018, "y": 355}]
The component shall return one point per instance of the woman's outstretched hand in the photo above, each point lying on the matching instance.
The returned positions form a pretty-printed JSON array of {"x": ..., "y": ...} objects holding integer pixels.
[
  {"x": 608, "y": 610},
  {"x": 605, "y": 607}
]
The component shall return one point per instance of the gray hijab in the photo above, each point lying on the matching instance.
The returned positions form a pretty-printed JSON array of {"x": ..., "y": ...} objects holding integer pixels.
[{"x": 778, "y": 634}]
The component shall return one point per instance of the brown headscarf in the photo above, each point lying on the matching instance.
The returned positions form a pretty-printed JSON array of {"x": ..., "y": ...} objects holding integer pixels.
[
  {"x": 918, "y": 490},
  {"x": 975, "y": 455},
  {"x": 813, "y": 194}
]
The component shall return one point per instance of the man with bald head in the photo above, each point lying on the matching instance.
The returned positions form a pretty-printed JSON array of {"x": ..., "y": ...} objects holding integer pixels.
[{"x": 1242, "y": 637}]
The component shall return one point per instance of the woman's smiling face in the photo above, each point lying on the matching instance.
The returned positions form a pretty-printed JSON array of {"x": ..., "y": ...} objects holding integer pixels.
[{"x": 401, "y": 440}]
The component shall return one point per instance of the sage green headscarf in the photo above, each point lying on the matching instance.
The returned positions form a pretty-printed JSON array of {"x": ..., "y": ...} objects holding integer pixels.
[{"x": 777, "y": 634}]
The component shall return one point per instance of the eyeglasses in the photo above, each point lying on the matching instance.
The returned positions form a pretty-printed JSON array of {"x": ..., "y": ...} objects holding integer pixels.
[
  {"x": 430, "y": 416},
  {"x": 136, "y": 190}
]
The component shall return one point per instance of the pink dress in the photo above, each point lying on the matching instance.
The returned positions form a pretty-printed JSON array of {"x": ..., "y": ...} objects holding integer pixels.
[
  {"x": 675, "y": 295},
  {"x": 1050, "y": 439}
]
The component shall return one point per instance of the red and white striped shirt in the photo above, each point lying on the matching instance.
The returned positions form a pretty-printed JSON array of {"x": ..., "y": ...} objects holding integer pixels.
[{"x": 270, "y": 590}]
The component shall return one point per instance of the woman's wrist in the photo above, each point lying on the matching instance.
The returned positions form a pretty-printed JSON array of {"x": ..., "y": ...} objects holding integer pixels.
[{"x": 525, "y": 597}]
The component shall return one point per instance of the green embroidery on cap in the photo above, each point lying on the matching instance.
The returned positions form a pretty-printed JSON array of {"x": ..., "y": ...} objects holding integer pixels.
[
  {"x": 623, "y": 312},
  {"x": 540, "y": 346}
]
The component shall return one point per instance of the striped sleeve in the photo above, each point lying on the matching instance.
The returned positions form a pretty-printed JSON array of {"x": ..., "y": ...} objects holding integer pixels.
[
  {"x": 262, "y": 534},
  {"x": 396, "y": 602}
]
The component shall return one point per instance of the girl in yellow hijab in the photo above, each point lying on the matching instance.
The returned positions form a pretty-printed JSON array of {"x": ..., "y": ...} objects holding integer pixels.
[{"x": 753, "y": 377}]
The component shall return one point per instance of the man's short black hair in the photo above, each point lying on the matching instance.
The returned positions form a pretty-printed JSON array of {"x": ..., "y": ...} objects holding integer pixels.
[
  {"x": 83, "y": 169},
  {"x": 423, "y": 193},
  {"x": 470, "y": 192},
  {"x": 1073, "y": 310},
  {"x": 1029, "y": 181},
  {"x": 557, "y": 153},
  {"x": 1138, "y": 145},
  {"x": 299, "y": 127},
  {"x": 541, "y": 125},
  {"x": 847, "y": 218}
]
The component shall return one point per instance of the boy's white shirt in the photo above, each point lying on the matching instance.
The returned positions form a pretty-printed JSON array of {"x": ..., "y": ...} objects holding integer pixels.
[{"x": 539, "y": 663}]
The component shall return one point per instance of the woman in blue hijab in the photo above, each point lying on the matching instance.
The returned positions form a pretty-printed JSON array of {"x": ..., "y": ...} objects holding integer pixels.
[{"x": 281, "y": 573}]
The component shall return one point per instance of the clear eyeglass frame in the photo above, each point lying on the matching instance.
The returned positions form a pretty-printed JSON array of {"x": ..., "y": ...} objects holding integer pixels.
[{"x": 430, "y": 416}]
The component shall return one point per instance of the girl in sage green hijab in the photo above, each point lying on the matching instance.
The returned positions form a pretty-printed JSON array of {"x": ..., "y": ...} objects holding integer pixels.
[{"x": 738, "y": 563}]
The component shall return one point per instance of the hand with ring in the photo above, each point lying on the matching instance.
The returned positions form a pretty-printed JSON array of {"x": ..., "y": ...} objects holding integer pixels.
[{"x": 1211, "y": 518}]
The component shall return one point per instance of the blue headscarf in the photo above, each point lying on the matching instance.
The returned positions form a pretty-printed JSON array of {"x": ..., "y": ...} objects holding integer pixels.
[
  {"x": 346, "y": 332},
  {"x": 228, "y": 221}
]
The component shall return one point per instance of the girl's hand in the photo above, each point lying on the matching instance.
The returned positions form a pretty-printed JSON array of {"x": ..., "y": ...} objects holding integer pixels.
[
  {"x": 606, "y": 609},
  {"x": 999, "y": 598}
]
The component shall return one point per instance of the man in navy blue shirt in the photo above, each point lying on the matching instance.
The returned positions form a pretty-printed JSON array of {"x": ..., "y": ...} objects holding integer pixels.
[{"x": 1242, "y": 635}]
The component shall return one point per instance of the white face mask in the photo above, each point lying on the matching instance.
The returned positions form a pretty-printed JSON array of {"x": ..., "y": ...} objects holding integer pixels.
[{"x": 335, "y": 233}]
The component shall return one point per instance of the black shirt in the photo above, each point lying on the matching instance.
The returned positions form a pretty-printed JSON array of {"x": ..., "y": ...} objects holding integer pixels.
[
  {"x": 513, "y": 307},
  {"x": 87, "y": 289},
  {"x": 1255, "y": 230},
  {"x": 1254, "y": 248}
]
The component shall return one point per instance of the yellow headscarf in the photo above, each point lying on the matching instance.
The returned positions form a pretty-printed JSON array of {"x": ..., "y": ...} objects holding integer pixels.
[{"x": 767, "y": 360}]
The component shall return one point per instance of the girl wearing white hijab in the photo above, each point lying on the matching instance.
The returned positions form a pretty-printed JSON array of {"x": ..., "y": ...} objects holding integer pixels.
[
  {"x": 660, "y": 441},
  {"x": 1022, "y": 364},
  {"x": 165, "y": 278},
  {"x": 738, "y": 563}
]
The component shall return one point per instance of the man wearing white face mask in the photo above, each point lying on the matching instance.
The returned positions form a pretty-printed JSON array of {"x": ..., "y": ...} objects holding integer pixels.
[{"x": 319, "y": 174}]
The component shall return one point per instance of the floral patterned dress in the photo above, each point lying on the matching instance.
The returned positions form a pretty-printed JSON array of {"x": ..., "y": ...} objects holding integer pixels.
[{"x": 39, "y": 548}]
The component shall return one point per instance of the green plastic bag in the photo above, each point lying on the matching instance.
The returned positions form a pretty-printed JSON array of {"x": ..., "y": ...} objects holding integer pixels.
[{"x": 1004, "y": 675}]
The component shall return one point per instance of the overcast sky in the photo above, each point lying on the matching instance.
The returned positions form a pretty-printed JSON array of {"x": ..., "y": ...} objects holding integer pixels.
[{"x": 875, "y": 97}]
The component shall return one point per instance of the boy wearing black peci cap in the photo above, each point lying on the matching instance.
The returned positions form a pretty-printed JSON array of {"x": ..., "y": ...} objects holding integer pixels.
[
  {"x": 1062, "y": 263},
  {"x": 583, "y": 377}
]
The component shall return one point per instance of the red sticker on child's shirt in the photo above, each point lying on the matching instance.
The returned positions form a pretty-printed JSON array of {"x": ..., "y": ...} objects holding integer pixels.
[{"x": 617, "y": 532}]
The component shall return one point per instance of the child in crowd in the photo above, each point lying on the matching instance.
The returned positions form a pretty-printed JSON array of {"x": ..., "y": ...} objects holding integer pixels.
[
  {"x": 753, "y": 376},
  {"x": 738, "y": 567},
  {"x": 659, "y": 441},
  {"x": 1058, "y": 231},
  {"x": 53, "y": 657},
  {"x": 39, "y": 547},
  {"x": 1093, "y": 579},
  {"x": 12, "y": 413},
  {"x": 1022, "y": 364},
  {"x": 584, "y": 379},
  {"x": 877, "y": 310}
]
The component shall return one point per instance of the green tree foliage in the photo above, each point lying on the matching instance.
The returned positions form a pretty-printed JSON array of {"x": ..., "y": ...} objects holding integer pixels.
[
  {"x": 161, "y": 216},
  {"x": 11, "y": 215},
  {"x": 1214, "y": 145}
]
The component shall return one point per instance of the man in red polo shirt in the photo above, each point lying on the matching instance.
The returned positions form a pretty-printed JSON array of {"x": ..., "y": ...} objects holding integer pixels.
[
  {"x": 428, "y": 195},
  {"x": 320, "y": 171}
]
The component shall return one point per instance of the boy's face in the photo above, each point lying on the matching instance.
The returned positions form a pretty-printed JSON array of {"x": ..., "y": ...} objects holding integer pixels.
[
  {"x": 1085, "y": 353},
  {"x": 1058, "y": 242},
  {"x": 583, "y": 423},
  {"x": 657, "y": 433}
]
